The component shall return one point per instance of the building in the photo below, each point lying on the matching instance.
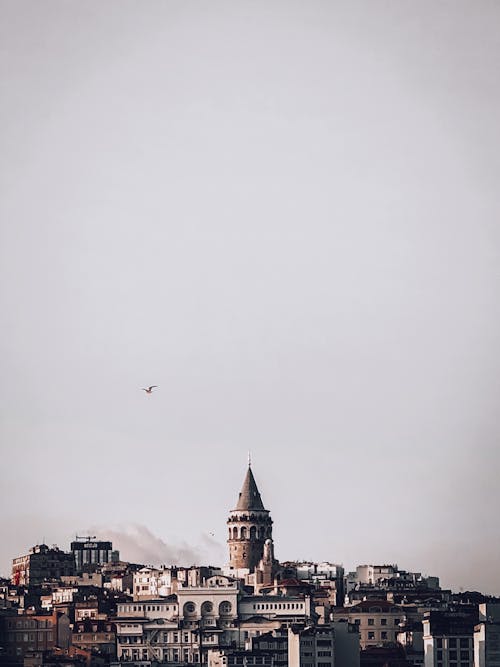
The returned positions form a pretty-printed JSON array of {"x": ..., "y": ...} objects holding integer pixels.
[
  {"x": 377, "y": 620},
  {"x": 235, "y": 658},
  {"x": 294, "y": 645},
  {"x": 487, "y": 636},
  {"x": 89, "y": 553},
  {"x": 211, "y": 606},
  {"x": 150, "y": 583},
  {"x": 30, "y": 632},
  {"x": 411, "y": 638},
  {"x": 249, "y": 526},
  {"x": 287, "y": 609},
  {"x": 40, "y": 564},
  {"x": 347, "y": 652},
  {"x": 155, "y": 632},
  {"x": 311, "y": 646},
  {"x": 96, "y": 636},
  {"x": 449, "y": 638}
]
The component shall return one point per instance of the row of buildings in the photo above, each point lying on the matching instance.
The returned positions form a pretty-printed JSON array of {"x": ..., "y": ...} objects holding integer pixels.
[{"x": 89, "y": 607}]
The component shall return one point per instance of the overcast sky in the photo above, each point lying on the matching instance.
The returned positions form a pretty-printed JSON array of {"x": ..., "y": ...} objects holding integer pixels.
[{"x": 286, "y": 215}]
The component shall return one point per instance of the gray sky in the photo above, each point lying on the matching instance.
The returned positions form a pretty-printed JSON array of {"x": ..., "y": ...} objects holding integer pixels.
[{"x": 286, "y": 215}]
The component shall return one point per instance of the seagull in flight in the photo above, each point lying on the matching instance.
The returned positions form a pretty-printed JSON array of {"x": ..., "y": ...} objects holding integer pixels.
[{"x": 149, "y": 390}]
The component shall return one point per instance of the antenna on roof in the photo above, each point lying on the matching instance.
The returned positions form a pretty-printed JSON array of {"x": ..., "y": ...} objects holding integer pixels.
[{"x": 249, "y": 459}]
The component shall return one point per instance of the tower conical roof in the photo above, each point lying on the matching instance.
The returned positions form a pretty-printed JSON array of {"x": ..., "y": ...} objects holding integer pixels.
[{"x": 249, "y": 498}]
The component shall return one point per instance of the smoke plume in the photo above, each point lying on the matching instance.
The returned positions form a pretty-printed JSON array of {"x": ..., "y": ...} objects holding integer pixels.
[{"x": 137, "y": 544}]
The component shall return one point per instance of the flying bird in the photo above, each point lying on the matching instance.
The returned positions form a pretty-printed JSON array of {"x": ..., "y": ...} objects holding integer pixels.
[{"x": 149, "y": 390}]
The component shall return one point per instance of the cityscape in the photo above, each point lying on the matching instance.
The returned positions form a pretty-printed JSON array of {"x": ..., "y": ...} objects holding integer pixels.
[
  {"x": 263, "y": 226},
  {"x": 88, "y": 606}
]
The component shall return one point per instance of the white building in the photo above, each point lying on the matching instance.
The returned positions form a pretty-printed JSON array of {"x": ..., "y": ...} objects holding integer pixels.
[
  {"x": 150, "y": 583},
  {"x": 213, "y": 605},
  {"x": 487, "y": 636},
  {"x": 296, "y": 609},
  {"x": 311, "y": 646}
]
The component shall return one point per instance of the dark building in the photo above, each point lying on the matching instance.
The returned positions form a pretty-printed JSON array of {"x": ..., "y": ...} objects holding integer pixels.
[
  {"x": 27, "y": 633},
  {"x": 89, "y": 553},
  {"x": 95, "y": 635},
  {"x": 449, "y": 636},
  {"x": 41, "y": 564}
]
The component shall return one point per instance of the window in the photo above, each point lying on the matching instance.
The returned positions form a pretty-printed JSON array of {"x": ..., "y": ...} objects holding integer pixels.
[
  {"x": 452, "y": 642},
  {"x": 371, "y": 621},
  {"x": 464, "y": 642},
  {"x": 439, "y": 655},
  {"x": 371, "y": 635},
  {"x": 464, "y": 656},
  {"x": 225, "y": 607},
  {"x": 439, "y": 642},
  {"x": 383, "y": 635},
  {"x": 452, "y": 655},
  {"x": 383, "y": 621}
]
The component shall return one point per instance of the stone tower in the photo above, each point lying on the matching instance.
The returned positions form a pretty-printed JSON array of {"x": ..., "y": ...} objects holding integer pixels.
[{"x": 249, "y": 526}]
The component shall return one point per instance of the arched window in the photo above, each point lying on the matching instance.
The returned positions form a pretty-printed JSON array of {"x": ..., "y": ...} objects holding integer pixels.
[
  {"x": 262, "y": 533},
  {"x": 225, "y": 608},
  {"x": 206, "y": 608},
  {"x": 235, "y": 533},
  {"x": 253, "y": 532},
  {"x": 243, "y": 533},
  {"x": 189, "y": 608}
]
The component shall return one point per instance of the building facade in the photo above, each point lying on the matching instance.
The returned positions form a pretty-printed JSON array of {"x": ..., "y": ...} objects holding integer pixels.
[
  {"x": 42, "y": 563},
  {"x": 25, "y": 633},
  {"x": 448, "y": 639},
  {"x": 89, "y": 553}
]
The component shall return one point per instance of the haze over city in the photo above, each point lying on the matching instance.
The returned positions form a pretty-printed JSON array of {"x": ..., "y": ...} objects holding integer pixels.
[{"x": 285, "y": 215}]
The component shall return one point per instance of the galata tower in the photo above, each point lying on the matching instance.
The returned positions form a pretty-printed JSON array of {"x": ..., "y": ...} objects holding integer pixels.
[{"x": 249, "y": 526}]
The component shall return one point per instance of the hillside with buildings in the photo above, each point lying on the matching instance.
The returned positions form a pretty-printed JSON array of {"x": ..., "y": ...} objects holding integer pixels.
[{"x": 87, "y": 606}]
